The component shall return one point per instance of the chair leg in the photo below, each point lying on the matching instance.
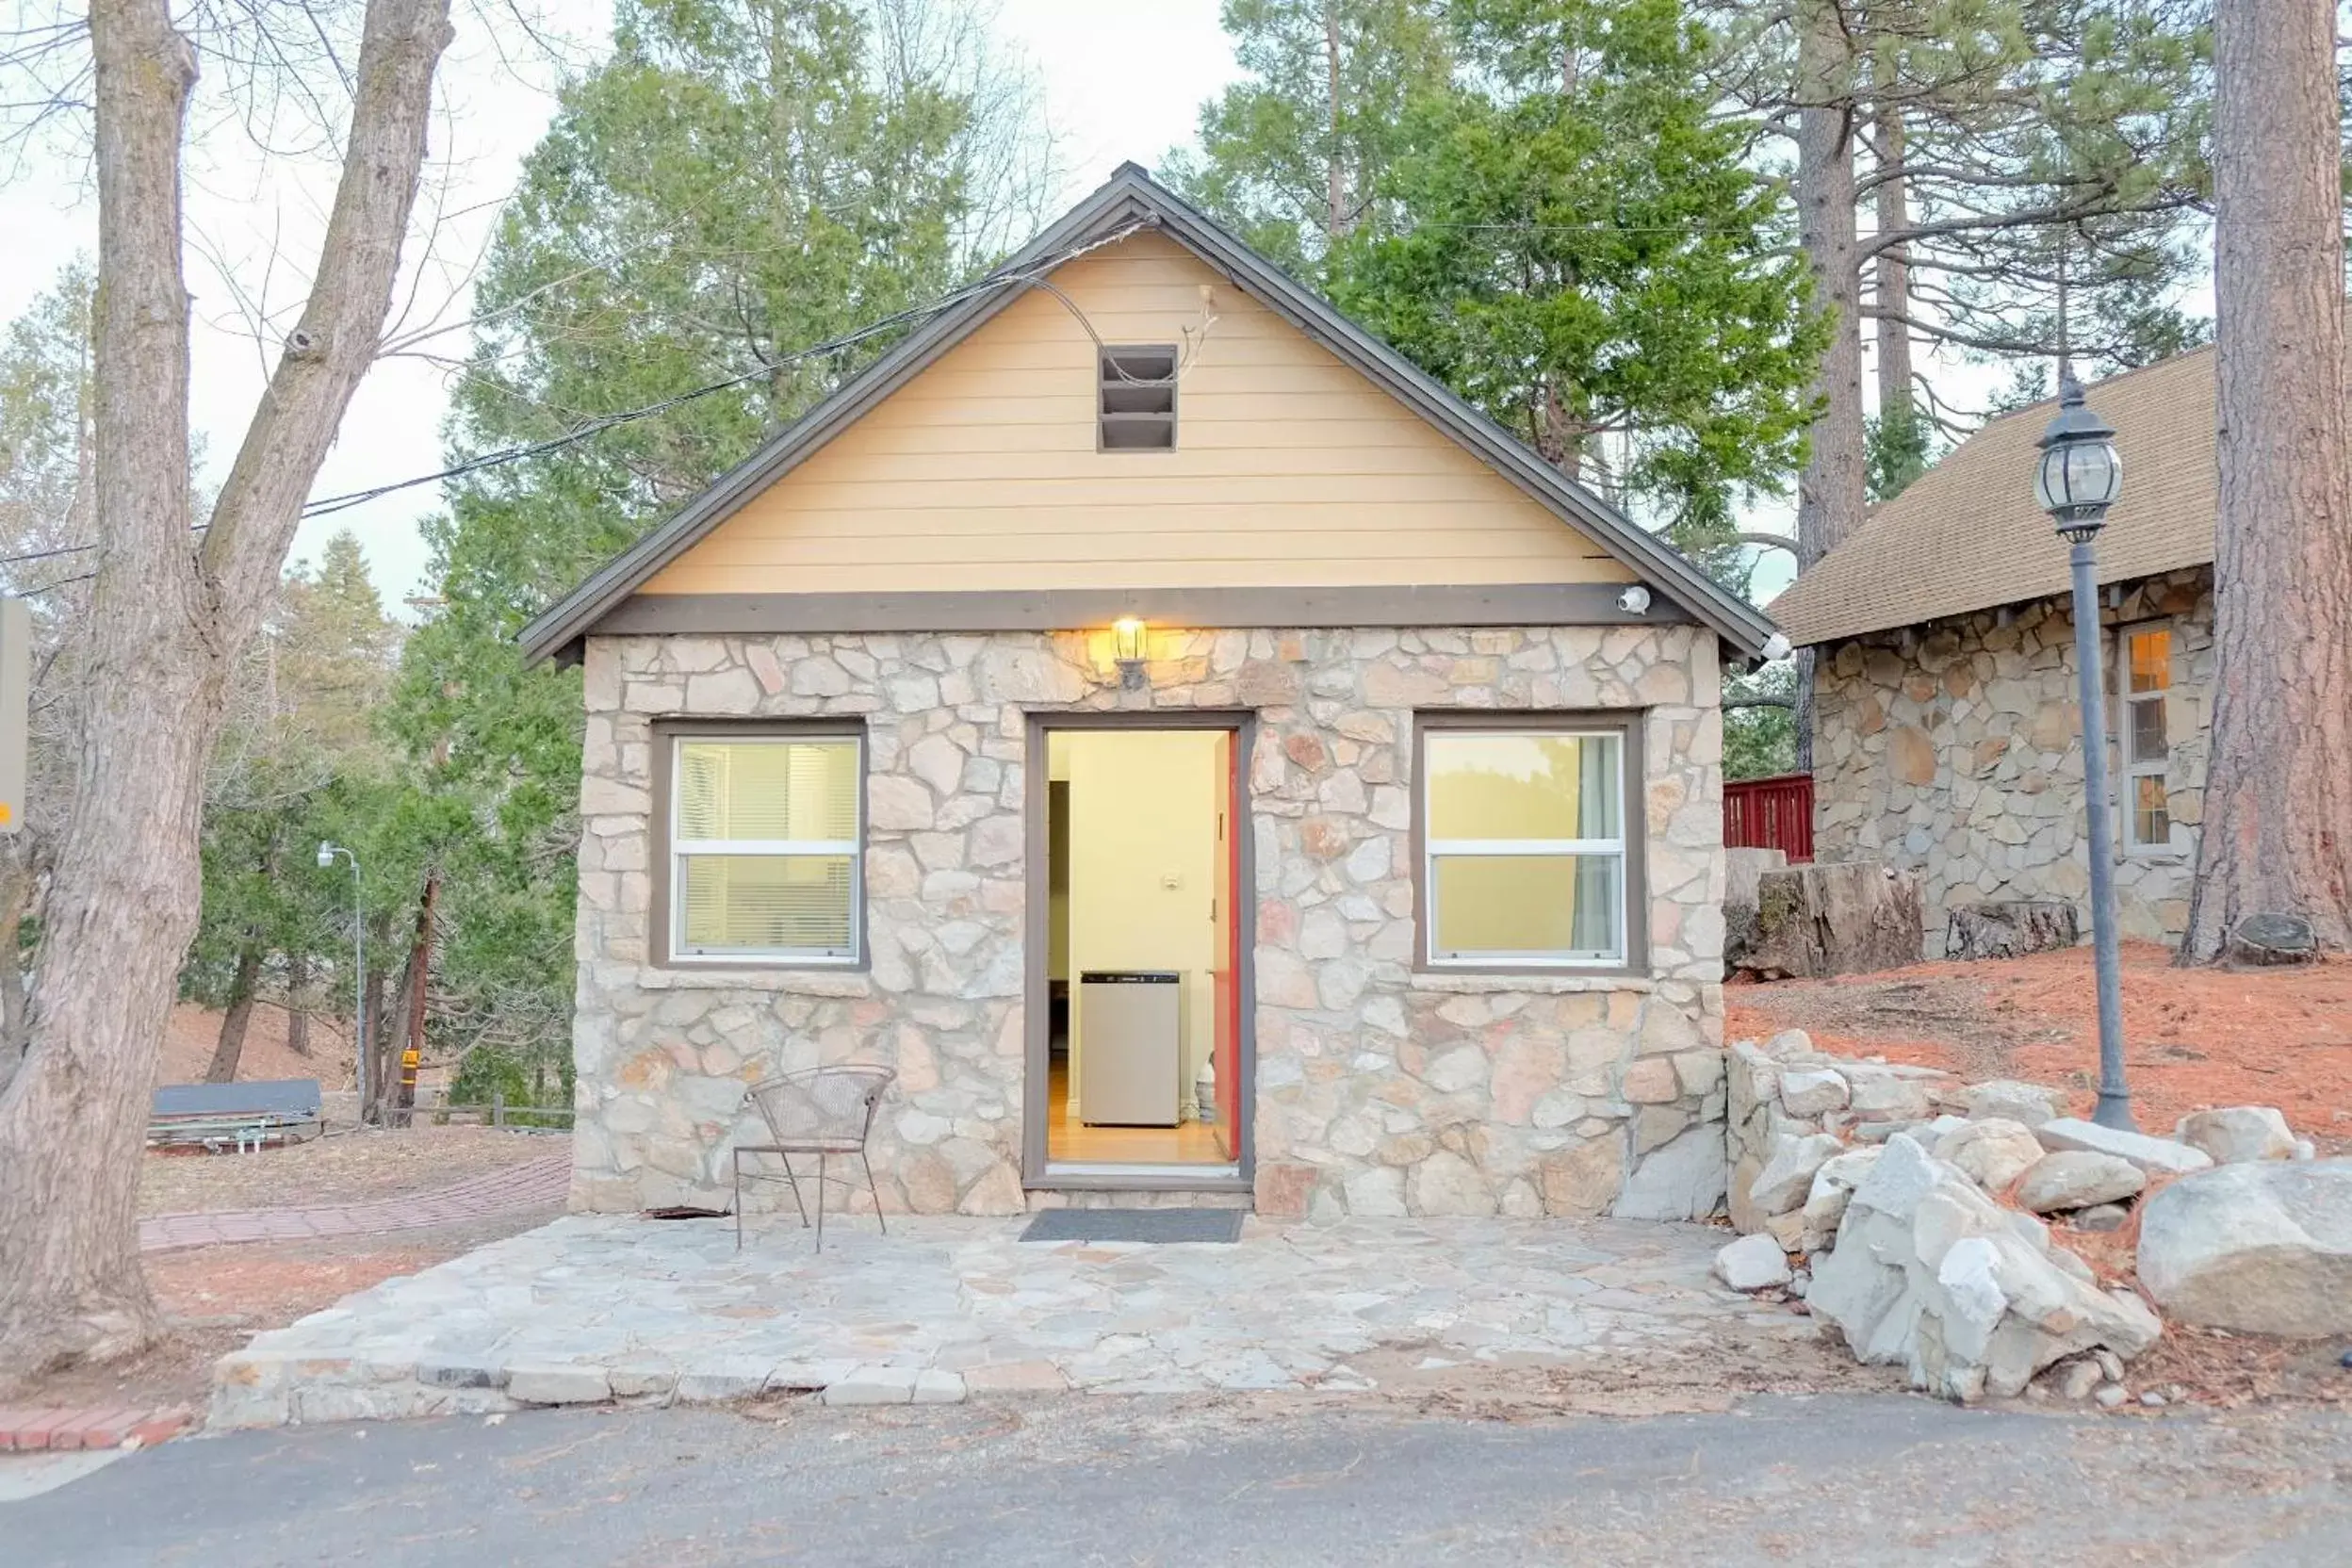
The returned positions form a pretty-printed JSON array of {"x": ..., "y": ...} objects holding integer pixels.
[
  {"x": 874, "y": 1190},
  {"x": 739, "y": 1199},
  {"x": 820, "y": 1199},
  {"x": 795, "y": 1184}
]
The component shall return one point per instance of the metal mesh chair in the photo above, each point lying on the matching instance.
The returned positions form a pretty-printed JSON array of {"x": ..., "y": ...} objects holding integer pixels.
[{"x": 822, "y": 1111}]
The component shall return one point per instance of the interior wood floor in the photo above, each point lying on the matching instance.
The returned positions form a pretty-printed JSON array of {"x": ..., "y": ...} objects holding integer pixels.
[{"x": 1068, "y": 1138}]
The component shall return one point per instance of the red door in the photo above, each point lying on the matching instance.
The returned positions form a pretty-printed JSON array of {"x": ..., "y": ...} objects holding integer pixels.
[{"x": 1228, "y": 941}]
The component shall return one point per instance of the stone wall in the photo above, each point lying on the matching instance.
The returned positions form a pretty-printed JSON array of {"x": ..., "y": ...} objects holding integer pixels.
[
  {"x": 1379, "y": 1090},
  {"x": 1954, "y": 750}
]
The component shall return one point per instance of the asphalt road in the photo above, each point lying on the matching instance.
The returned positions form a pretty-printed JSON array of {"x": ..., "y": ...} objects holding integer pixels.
[{"x": 1832, "y": 1479}]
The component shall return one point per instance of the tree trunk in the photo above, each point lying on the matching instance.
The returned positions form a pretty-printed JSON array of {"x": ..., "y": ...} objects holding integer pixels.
[
  {"x": 123, "y": 907},
  {"x": 19, "y": 877},
  {"x": 2276, "y": 830},
  {"x": 1891, "y": 275},
  {"x": 166, "y": 623},
  {"x": 1335, "y": 175},
  {"x": 296, "y": 1005},
  {"x": 242, "y": 985},
  {"x": 1830, "y": 490},
  {"x": 1831, "y": 487},
  {"x": 387, "y": 1025}
]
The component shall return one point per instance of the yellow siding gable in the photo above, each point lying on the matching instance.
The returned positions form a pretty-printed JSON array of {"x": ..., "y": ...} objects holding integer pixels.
[{"x": 1290, "y": 469}]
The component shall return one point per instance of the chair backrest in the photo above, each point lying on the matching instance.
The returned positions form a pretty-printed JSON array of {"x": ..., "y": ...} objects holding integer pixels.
[{"x": 822, "y": 1104}]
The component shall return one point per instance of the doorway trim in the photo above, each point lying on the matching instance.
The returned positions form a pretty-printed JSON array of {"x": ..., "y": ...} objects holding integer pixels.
[{"x": 1037, "y": 1171}]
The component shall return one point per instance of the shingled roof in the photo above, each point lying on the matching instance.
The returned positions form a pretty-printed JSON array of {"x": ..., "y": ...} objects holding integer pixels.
[{"x": 1967, "y": 535}]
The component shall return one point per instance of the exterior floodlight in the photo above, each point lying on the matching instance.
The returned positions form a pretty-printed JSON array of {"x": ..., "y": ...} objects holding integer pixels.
[{"x": 1634, "y": 600}]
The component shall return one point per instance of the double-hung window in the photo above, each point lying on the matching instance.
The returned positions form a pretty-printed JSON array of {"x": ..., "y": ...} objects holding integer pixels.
[
  {"x": 765, "y": 852},
  {"x": 2146, "y": 669},
  {"x": 1525, "y": 858}
]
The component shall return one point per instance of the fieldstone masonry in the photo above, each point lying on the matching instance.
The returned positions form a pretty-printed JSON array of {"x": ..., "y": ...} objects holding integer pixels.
[
  {"x": 1954, "y": 750},
  {"x": 1379, "y": 1090}
]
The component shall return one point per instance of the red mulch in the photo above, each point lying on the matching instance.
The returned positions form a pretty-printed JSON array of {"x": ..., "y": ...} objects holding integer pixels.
[{"x": 2193, "y": 1039}]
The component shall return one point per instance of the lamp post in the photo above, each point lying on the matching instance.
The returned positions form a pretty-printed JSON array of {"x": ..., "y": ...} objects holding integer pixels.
[
  {"x": 327, "y": 852},
  {"x": 2078, "y": 479}
]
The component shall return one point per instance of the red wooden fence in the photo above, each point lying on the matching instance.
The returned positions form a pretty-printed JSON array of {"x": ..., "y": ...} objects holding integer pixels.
[{"x": 1770, "y": 813}]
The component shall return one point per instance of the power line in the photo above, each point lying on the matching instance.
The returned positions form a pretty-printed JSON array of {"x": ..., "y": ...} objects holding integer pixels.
[{"x": 328, "y": 505}]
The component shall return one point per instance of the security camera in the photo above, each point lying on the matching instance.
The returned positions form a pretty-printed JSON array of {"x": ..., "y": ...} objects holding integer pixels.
[
  {"x": 1634, "y": 600},
  {"x": 1776, "y": 645}
]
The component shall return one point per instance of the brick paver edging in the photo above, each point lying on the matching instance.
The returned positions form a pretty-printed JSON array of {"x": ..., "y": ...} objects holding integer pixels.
[
  {"x": 27, "y": 1430},
  {"x": 529, "y": 1184}
]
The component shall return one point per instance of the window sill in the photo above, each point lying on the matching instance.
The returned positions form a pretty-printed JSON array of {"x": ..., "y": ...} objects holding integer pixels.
[
  {"x": 1532, "y": 982},
  {"x": 853, "y": 984}
]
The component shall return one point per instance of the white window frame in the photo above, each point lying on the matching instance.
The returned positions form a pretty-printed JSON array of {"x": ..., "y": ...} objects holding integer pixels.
[
  {"x": 2130, "y": 770},
  {"x": 1435, "y": 849},
  {"x": 679, "y": 850}
]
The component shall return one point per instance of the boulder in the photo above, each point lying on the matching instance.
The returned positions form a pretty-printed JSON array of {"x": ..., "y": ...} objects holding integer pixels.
[
  {"x": 2077, "y": 1178},
  {"x": 1931, "y": 1275},
  {"x": 1752, "y": 1263},
  {"x": 1833, "y": 1187},
  {"x": 1843, "y": 917},
  {"x": 2264, "y": 1248},
  {"x": 1781, "y": 1186},
  {"x": 1811, "y": 1090},
  {"x": 2009, "y": 1099},
  {"x": 2238, "y": 1134},
  {"x": 2156, "y": 1156},
  {"x": 1892, "y": 1091},
  {"x": 1994, "y": 1152}
]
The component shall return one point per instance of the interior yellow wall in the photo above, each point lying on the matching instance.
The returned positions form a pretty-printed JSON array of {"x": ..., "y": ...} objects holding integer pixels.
[
  {"x": 1290, "y": 469},
  {"x": 1142, "y": 808},
  {"x": 1058, "y": 857}
]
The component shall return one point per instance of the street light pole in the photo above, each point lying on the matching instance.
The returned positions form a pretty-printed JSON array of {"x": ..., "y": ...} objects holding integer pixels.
[
  {"x": 327, "y": 852},
  {"x": 2078, "y": 478}
]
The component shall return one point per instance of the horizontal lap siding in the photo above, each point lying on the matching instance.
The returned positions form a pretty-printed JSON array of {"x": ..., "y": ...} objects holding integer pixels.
[{"x": 982, "y": 473}]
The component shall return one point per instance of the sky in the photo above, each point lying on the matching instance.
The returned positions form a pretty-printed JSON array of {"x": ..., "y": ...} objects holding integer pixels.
[
  {"x": 253, "y": 222},
  {"x": 1119, "y": 79}
]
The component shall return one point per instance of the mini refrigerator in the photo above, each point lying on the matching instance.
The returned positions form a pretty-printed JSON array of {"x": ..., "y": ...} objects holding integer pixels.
[{"x": 1130, "y": 1047}]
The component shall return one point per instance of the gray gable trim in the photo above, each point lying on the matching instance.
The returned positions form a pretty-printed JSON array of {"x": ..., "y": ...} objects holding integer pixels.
[{"x": 1131, "y": 197}]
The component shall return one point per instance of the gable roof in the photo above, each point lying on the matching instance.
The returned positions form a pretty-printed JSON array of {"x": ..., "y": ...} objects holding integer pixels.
[
  {"x": 1130, "y": 199},
  {"x": 1968, "y": 535}
]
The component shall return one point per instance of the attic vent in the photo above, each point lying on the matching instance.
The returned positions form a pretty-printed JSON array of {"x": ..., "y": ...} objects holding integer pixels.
[{"x": 1136, "y": 397}]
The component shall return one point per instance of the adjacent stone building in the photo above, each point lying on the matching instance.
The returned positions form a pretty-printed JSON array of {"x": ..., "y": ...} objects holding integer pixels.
[
  {"x": 1947, "y": 729},
  {"x": 1462, "y": 718}
]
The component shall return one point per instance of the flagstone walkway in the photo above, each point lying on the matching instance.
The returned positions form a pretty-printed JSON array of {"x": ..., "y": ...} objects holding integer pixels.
[
  {"x": 598, "y": 1307},
  {"x": 532, "y": 1183}
]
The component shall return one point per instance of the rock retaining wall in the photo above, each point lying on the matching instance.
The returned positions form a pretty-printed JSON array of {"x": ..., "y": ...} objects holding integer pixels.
[{"x": 1380, "y": 1090}]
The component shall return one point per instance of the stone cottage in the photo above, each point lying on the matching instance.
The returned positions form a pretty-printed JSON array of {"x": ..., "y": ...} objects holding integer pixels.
[
  {"x": 1197, "y": 752},
  {"x": 1947, "y": 734}
]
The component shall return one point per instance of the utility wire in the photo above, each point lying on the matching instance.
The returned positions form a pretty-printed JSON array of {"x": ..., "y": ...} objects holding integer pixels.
[{"x": 328, "y": 505}]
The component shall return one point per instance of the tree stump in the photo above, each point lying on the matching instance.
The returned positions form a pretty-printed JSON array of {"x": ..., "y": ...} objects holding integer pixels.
[
  {"x": 2267, "y": 939},
  {"x": 2010, "y": 928},
  {"x": 1843, "y": 917}
]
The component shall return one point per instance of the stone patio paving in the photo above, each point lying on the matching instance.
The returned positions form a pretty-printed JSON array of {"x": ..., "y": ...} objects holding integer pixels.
[{"x": 597, "y": 1307}]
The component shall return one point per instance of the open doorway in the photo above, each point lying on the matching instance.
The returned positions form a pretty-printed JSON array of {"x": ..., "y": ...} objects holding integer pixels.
[{"x": 1138, "y": 1070}]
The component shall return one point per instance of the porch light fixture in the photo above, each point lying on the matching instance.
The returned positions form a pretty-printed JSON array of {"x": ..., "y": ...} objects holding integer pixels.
[
  {"x": 2076, "y": 479},
  {"x": 1635, "y": 601},
  {"x": 1127, "y": 650}
]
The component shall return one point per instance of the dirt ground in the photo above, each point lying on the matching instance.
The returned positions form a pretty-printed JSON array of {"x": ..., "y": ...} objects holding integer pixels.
[
  {"x": 189, "y": 1043},
  {"x": 216, "y": 1298},
  {"x": 2193, "y": 1039},
  {"x": 346, "y": 1168}
]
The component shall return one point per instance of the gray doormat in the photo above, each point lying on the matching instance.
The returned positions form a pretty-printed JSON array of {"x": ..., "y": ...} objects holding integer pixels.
[{"x": 1154, "y": 1225}]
